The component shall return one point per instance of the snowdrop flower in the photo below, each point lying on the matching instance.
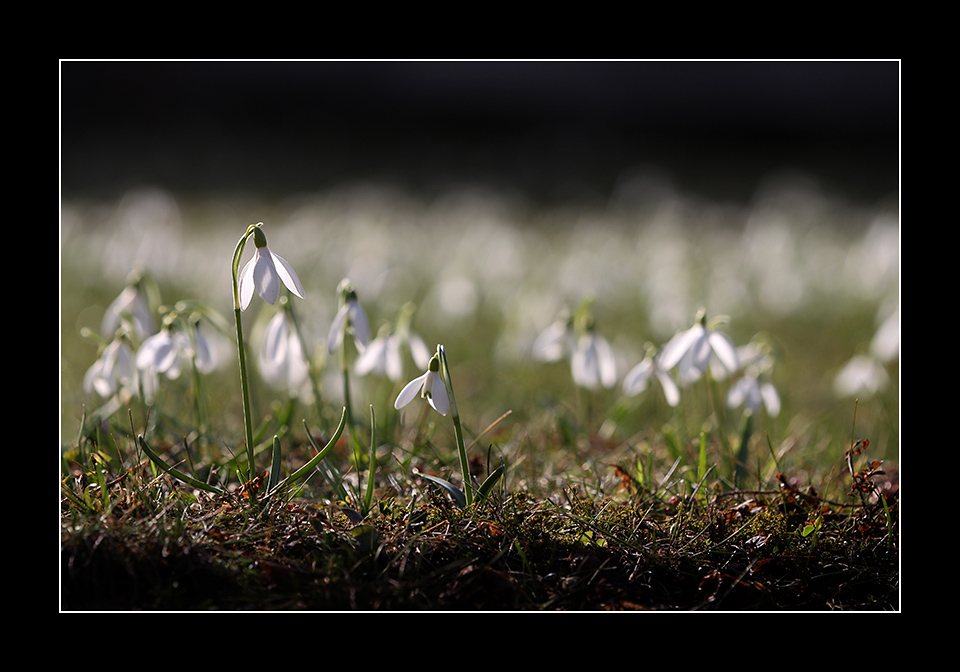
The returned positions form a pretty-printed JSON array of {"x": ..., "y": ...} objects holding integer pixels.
[
  {"x": 265, "y": 272},
  {"x": 694, "y": 348},
  {"x": 114, "y": 371},
  {"x": 350, "y": 316},
  {"x": 132, "y": 305},
  {"x": 863, "y": 374},
  {"x": 751, "y": 391},
  {"x": 381, "y": 356},
  {"x": 164, "y": 352},
  {"x": 593, "y": 363},
  {"x": 639, "y": 376},
  {"x": 430, "y": 387},
  {"x": 281, "y": 360},
  {"x": 556, "y": 341}
]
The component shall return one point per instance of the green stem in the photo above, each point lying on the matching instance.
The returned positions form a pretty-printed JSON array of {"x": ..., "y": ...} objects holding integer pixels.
[
  {"x": 458, "y": 430},
  {"x": 244, "y": 385}
]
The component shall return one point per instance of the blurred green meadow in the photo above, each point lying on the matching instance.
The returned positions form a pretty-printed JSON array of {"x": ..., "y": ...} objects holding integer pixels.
[{"x": 811, "y": 276}]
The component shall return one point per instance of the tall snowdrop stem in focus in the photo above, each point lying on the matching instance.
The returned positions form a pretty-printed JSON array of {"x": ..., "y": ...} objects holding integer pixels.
[
  {"x": 262, "y": 274},
  {"x": 458, "y": 430},
  {"x": 241, "y": 348}
]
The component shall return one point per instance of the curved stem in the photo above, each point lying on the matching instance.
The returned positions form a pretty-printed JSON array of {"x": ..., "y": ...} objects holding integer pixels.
[
  {"x": 458, "y": 430},
  {"x": 244, "y": 386}
]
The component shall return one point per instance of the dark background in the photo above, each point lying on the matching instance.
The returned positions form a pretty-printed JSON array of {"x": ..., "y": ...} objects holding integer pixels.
[{"x": 551, "y": 131}]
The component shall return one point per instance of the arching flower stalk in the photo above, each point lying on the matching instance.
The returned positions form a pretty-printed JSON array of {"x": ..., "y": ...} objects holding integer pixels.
[
  {"x": 262, "y": 273},
  {"x": 436, "y": 387}
]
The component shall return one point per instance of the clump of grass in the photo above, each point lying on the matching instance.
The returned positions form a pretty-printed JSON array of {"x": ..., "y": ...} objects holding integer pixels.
[{"x": 137, "y": 537}]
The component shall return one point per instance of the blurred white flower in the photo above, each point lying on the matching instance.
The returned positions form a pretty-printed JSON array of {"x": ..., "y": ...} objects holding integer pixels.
[
  {"x": 751, "y": 392},
  {"x": 862, "y": 374},
  {"x": 638, "y": 378},
  {"x": 693, "y": 349},
  {"x": 886, "y": 342},
  {"x": 382, "y": 356},
  {"x": 264, "y": 273},
  {"x": 114, "y": 371},
  {"x": 593, "y": 363},
  {"x": 164, "y": 352},
  {"x": 350, "y": 316},
  {"x": 430, "y": 387},
  {"x": 556, "y": 341},
  {"x": 131, "y": 304},
  {"x": 281, "y": 359}
]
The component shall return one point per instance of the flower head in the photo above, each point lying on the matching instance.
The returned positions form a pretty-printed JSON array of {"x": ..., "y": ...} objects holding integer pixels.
[
  {"x": 693, "y": 349},
  {"x": 265, "y": 272},
  {"x": 281, "y": 360},
  {"x": 430, "y": 386},
  {"x": 350, "y": 316},
  {"x": 593, "y": 363},
  {"x": 114, "y": 371},
  {"x": 638, "y": 377},
  {"x": 131, "y": 304}
]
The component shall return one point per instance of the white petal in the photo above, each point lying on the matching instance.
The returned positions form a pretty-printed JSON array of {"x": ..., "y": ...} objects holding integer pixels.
[
  {"x": 670, "y": 390},
  {"x": 287, "y": 274},
  {"x": 606, "y": 362},
  {"x": 336, "y": 329},
  {"x": 265, "y": 276},
  {"x": 678, "y": 346},
  {"x": 551, "y": 343},
  {"x": 361, "y": 327},
  {"x": 770, "y": 399},
  {"x": 246, "y": 283},
  {"x": 419, "y": 351},
  {"x": 393, "y": 365},
  {"x": 725, "y": 350},
  {"x": 635, "y": 381},
  {"x": 409, "y": 392},
  {"x": 373, "y": 358},
  {"x": 438, "y": 393}
]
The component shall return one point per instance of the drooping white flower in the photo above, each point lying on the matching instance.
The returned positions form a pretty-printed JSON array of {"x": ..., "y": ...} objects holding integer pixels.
[
  {"x": 593, "y": 363},
  {"x": 862, "y": 374},
  {"x": 556, "y": 341},
  {"x": 164, "y": 352},
  {"x": 131, "y": 304},
  {"x": 638, "y": 378},
  {"x": 264, "y": 272},
  {"x": 429, "y": 386},
  {"x": 114, "y": 371},
  {"x": 351, "y": 316},
  {"x": 693, "y": 349},
  {"x": 751, "y": 391},
  {"x": 281, "y": 358},
  {"x": 382, "y": 356}
]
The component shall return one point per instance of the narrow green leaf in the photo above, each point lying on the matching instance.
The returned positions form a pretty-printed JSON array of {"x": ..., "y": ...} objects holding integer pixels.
[
  {"x": 454, "y": 491},
  {"x": 490, "y": 482},
  {"x": 275, "y": 465},
  {"x": 176, "y": 473},
  {"x": 305, "y": 470}
]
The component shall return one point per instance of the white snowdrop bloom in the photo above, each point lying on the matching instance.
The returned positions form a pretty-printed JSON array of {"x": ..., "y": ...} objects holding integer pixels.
[
  {"x": 593, "y": 363},
  {"x": 638, "y": 378},
  {"x": 281, "y": 359},
  {"x": 162, "y": 352},
  {"x": 382, "y": 356},
  {"x": 264, "y": 273},
  {"x": 693, "y": 349},
  {"x": 862, "y": 374},
  {"x": 886, "y": 342},
  {"x": 751, "y": 392},
  {"x": 429, "y": 386},
  {"x": 114, "y": 371},
  {"x": 352, "y": 316},
  {"x": 555, "y": 342},
  {"x": 130, "y": 304}
]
